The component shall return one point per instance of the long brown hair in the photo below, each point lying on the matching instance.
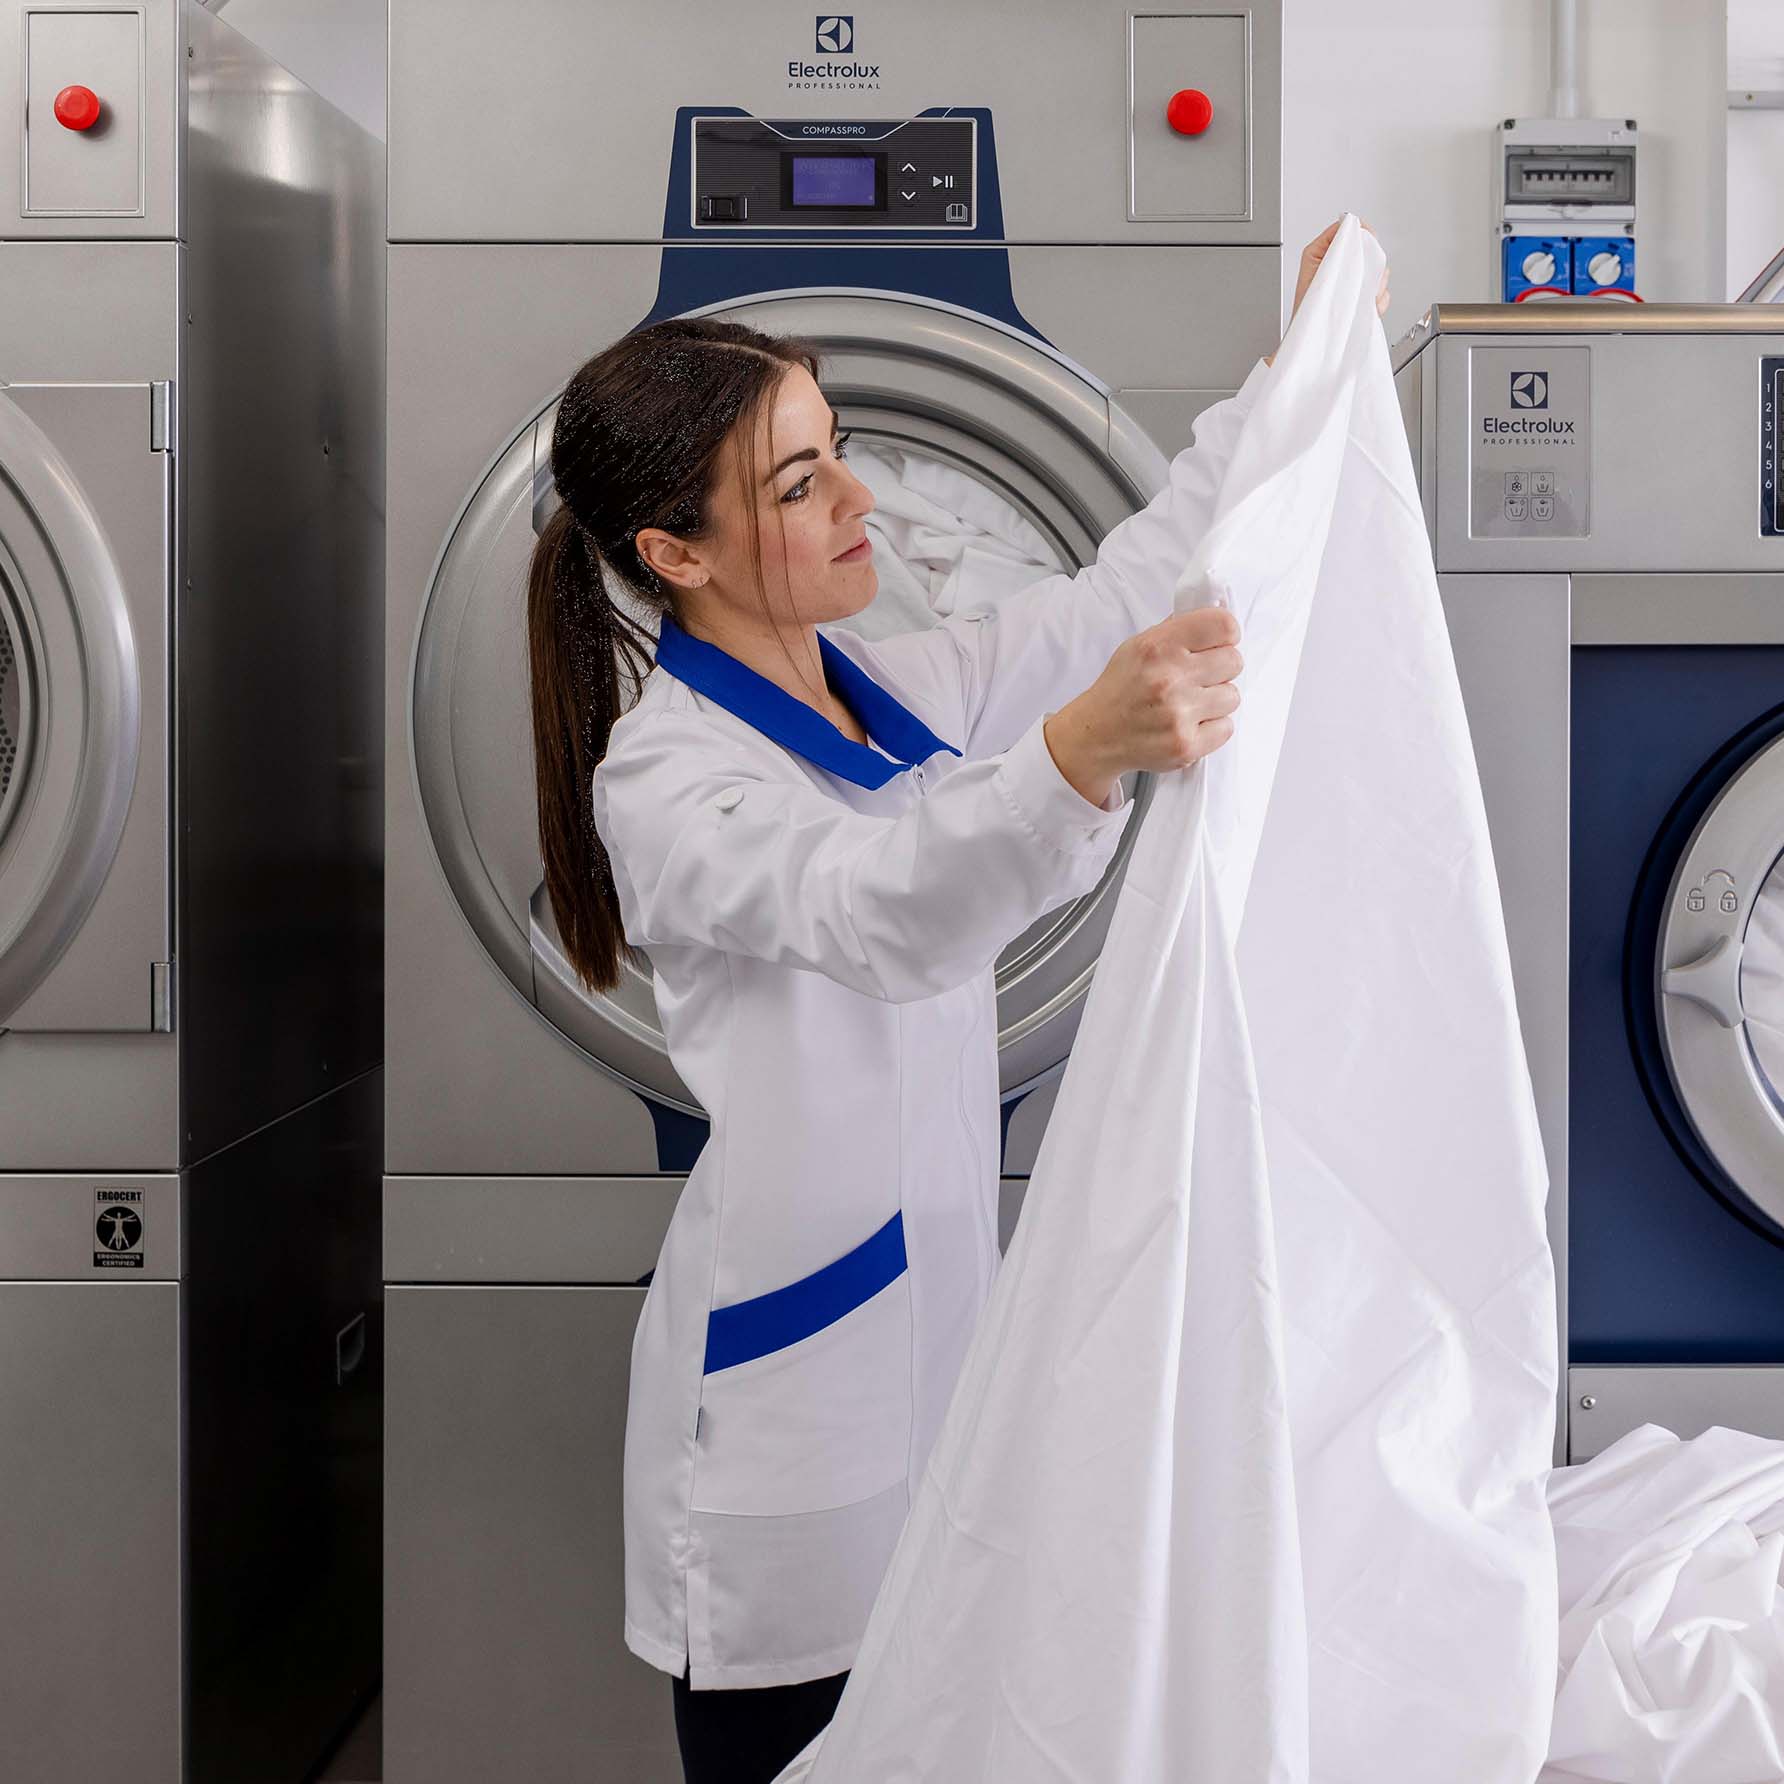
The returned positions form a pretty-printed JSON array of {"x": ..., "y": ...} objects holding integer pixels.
[{"x": 637, "y": 443}]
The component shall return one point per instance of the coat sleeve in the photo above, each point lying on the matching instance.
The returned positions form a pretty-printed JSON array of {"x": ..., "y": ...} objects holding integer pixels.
[
  {"x": 714, "y": 852},
  {"x": 1044, "y": 645}
]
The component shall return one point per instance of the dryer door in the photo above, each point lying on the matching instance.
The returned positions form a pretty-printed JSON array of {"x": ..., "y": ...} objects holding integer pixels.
[
  {"x": 947, "y": 407},
  {"x": 1720, "y": 974},
  {"x": 83, "y": 834}
]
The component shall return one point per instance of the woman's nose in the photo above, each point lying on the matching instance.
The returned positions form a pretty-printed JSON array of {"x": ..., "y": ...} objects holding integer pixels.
[{"x": 861, "y": 500}]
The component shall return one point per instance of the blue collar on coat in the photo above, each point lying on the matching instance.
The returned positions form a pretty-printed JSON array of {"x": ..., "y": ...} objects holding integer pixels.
[{"x": 794, "y": 725}]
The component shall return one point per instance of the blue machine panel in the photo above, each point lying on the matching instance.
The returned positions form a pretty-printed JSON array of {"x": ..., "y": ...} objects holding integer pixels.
[{"x": 1666, "y": 1262}]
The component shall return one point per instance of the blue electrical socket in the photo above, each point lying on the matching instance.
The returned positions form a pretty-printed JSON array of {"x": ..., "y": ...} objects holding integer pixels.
[
  {"x": 1587, "y": 247},
  {"x": 1519, "y": 248}
]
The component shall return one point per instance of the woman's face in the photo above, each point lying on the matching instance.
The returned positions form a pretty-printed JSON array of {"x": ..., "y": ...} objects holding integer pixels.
[{"x": 809, "y": 508}]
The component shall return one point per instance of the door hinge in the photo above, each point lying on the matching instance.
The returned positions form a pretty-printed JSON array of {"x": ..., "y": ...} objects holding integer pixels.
[
  {"x": 161, "y": 991},
  {"x": 161, "y": 416}
]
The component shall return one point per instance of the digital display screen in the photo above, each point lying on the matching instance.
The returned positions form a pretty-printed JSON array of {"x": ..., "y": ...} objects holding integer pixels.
[{"x": 835, "y": 182}]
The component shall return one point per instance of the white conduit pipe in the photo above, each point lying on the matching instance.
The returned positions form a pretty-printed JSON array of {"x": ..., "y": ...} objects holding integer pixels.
[{"x": 1564, "y": 37}]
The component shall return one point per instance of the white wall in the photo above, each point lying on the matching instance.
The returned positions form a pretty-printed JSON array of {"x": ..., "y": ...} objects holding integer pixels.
[
  {"x": 1755, "y": 141},
  {"x": 1389, "y": 108}
]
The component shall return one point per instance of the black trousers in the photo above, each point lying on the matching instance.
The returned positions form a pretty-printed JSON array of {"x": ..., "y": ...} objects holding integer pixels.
[{"x": 748, "y": 1737}]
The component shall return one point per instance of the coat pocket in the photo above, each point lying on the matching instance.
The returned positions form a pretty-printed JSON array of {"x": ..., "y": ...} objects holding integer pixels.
[{"x": 794, "y": 1419}]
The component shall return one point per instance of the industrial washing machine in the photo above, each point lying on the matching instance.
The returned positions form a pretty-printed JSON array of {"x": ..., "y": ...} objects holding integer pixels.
[
  {"x": 1602, "y": 489},
  {"x": 191, "y": 564},
  {"x": 1035, "y": 294}
]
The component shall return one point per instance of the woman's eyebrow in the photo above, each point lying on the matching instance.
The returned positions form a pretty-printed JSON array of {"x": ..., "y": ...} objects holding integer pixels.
[{"x": 793, "y": 458}]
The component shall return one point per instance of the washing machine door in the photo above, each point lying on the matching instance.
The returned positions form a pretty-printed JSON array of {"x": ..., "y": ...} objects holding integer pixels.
[
  {"x": 71, "y": 705},
  {"x": 1720, "y": 982},
  {"x": 943, "y": 396}
]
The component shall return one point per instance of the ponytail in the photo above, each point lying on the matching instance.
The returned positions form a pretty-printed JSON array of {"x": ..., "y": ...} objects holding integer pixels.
[{"x": 575, "y": 637}]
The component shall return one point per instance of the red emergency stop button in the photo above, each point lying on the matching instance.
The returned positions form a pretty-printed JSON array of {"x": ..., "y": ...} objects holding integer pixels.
[
  {"x": 1190, "y": 112},
  {"x": 77, "y": 108}
]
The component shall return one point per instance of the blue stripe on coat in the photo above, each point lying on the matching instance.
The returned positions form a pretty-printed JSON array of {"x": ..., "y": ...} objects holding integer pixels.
[{"x": 749, "y": 1329}]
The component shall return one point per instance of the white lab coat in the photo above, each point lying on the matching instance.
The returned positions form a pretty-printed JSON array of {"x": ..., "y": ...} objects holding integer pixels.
[{"x": 822, "y": 952}]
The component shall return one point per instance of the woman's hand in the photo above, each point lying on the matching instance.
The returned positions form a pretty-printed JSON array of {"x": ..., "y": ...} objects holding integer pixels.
[
  {"x": 1165, "y": 700},
  {"x": 1311, "y": 256}
]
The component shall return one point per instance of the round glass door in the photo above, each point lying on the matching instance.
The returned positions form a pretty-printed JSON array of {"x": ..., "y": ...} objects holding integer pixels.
[
  {"x": 1720, "y": 982},
  {"x": 69, "y": 706},
  {"x": 991, "y": 463}
]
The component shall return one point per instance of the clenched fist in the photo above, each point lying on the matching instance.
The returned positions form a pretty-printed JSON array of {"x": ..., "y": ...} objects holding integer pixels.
[{"x": 1165, "y": 700}]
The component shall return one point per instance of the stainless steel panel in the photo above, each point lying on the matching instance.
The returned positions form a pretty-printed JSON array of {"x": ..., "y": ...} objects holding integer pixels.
[
  {"x": 89, "y": 312},
  {"x": 83, "y": 932},
  {"x": 503, "y": 1651},
  {"x": 1178, "y": 178},
  {"x": 1510, "y": 635},
  {"x": 101, "y": 171},
  {"x": 284, "y": 1349},
  {"x": 89, "y": 1102},
  {"x": 75, "y": 1227},
  {"x": 118, "y": 179},
  {"x": 280, "y": 771},
  {"x": 521, "y": 1099},
  {"x": 493, "y": 144},
  {"x": 1677, "y": 608},
  {"x": 1674, "y": 425},
  {"x": 90, "y": 1617},
  {"x": 1157, "y": 318},
  {"x": 1608, "y": 1403},
  {"x": 593, "y": 1230},
  {"x": 1581, "y": 316},
  {"x": 1531, "y": 441}
]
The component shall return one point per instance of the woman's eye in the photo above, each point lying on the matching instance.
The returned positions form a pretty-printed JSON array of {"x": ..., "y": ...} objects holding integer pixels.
[{"x": 802, "y": 489}]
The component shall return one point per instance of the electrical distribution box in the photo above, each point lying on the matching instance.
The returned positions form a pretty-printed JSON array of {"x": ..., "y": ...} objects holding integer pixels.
[{"x": 1564, "y": 208}]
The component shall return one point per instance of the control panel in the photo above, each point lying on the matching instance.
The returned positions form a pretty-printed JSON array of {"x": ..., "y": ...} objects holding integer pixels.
[
  {"x": 1771, "y": 491},
  {"x": 1530, "y": 452},
  {"x": 804, "y": 173}
]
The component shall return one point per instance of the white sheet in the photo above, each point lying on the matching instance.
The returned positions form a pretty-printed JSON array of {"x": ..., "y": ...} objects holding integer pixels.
[
  {"x": 1242, "y": 1480},
  {"x": 942, "y": 540},
  {"x": 1672, "y": 1624}
]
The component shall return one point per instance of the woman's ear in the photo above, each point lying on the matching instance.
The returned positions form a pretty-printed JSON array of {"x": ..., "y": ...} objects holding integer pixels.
[{"x": 673, "y": 561}]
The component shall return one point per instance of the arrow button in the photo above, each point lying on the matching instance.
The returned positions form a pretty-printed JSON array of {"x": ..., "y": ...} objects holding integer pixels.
[
  {"x": 908, "y": 197},
  {"x": 909, "y": 167}
]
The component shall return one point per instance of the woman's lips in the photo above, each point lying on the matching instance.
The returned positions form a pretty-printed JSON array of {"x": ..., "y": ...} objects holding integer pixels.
[{"x": 855, "y": 553}]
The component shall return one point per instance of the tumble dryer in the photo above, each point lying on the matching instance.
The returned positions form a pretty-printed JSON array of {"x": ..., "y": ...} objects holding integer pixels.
[
  {"x": 1603, "y": 493},
  {"x": 1019, "y": 299},
  {"x": 190, "y": 564}
]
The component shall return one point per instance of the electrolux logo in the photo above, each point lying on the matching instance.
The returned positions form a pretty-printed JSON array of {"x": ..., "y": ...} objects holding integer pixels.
[
  {"x": 1529, "y": 390},
  {"x": 834, "y": 36}
]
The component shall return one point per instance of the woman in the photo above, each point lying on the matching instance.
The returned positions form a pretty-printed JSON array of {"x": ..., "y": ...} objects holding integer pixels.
[{"x": 821, "y": 845}]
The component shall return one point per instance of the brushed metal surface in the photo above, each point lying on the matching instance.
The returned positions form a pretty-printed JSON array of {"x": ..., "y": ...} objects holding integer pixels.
[
  {"x": 1685, "y": 1401},
  {"x": 279, "y": 765},
  {"x": 503, "y": 1562},
  {"x": 495, "y": 146},
  {"x": 284, "y": 1449},
  {"x": 84, "y": 516},
  {"x": 70, "y": 181},
  {"x": 90, "y": 1476},
  {"x": 1513, "y": 632}
]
